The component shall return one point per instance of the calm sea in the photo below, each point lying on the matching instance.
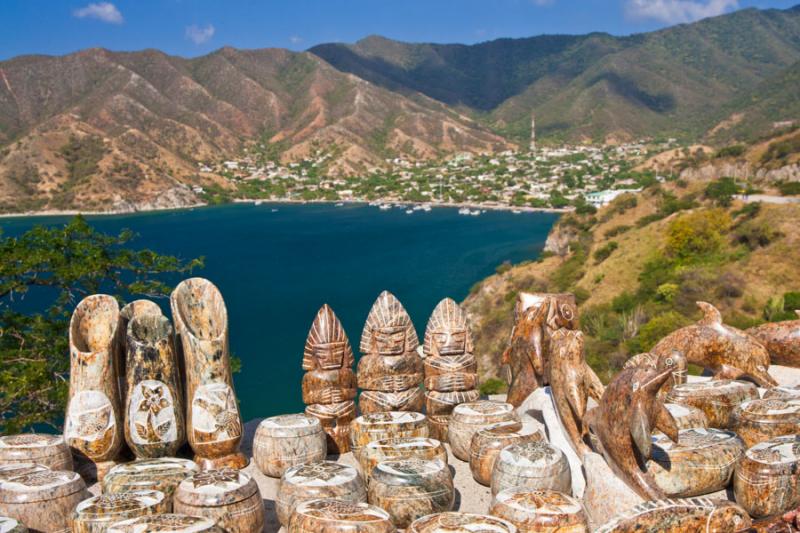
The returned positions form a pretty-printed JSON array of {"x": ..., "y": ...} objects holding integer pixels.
[{"x": 277, "y": 264}]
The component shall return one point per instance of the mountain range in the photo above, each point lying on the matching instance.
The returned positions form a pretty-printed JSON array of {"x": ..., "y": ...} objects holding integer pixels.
[{"x": 110, "y": 130}]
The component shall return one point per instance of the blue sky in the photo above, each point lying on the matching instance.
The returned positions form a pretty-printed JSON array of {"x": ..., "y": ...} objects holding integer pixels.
[{"x": 195, "y": 27}]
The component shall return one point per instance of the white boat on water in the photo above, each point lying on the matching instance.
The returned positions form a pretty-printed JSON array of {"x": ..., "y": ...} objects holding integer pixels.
[
  {"x": 384, "y": 207},
  {"x": 426, "y": 208},
  {"x": 339, "y": 204},
  {"x": 374, "y": 204},
  {"x": 464, "y": 211},
  {"x": 475, "y": 213},
  {"x": 516, "y": 211},
  {"x": 409, "y": 211},
  {"x": 257, "y": 202}
]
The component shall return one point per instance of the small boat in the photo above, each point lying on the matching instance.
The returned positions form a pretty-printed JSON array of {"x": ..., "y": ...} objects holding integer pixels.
[
  {"x": 475, "y": 213},
  {"x": 409, "y": 211},
  {"x": 516, "y": 211},
  {"x": 257, "y": 202},
  {"x": 339, "y": 204},
  {"x": 385, "y": 207},
  {"x": 464, "y": 211},
  {"x": 426, "y": 208}
]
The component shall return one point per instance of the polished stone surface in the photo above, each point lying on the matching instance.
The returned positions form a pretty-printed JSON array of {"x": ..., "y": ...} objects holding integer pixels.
[
  {"x": 679, "y": 516},
  {"x": 284, "y": 441}
]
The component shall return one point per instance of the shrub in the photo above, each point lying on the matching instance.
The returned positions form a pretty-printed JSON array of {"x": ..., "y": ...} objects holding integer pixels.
[
  {"x": 667, "y": 291},
  {"x": 503, "y": 267},
  {"x": 602, "y": 253},
  {"x": 791, "y": 301},
  {"x": 657, "y": 328},
  {"x": 493, "y": 386},
  {"x": 750, "y": 210},
  {"x": 722, "y": 191},
  {"x": 697, "y": 234},
  {"x": 755, "y": 234},
  {"x": 581, "y": 294},
  {"x": 789, "y": 188},
  {"x": 617, "y": 230},
  {"x": 734, "y": 150}
]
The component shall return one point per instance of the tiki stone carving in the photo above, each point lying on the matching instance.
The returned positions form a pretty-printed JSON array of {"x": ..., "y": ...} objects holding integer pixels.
[
  {"x": 678, "y": 516},
  {"x": 728, "y": 352},
  {"x": 781, "y": 339},
  {"x": 390, "y": 370},
  {"x": 527, "y": 358},
  {"x": 214, "y": 426},
  {"x": 93, "y": 423},
  {"x": 329, "y": 384},
  {"x": 623, "y": 423},
  {"x": 450, "y": 365}
]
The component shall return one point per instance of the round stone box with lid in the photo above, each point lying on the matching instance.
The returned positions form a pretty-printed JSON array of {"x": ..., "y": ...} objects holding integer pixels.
[
  {"x": 47, "y": 450},
  {"x": 96, "y": 514},
  {"x": 686, "y": 416},
  {"x": 42, "y": 500},
  {"x": 540, "y": 511},
  {"x": 168, "y": 523},
  {"x": 339, "y": 516},
  {"x": 10, "y": 525},
  {"x": 402, "y": 448},
  {"x": 786, "y": 393},
  {"x": 11, "y": 470},
  {"x": 325, "y": 479},
  {"x": 535, "y": 465},
  {"x": 766, "y": 478},
  {"x": 288, "y": 440},
  {"x": 410, "y": 488},
  {"x": 716, "y": 398},
  {"x": 487, "y": 443},
  {"x": 228, "y": 496},
  {"x": 468, "y": 418},
  {"x": 163, "y": 474},
  {"x": 461, "y": 523},
  {"x": 701, "y": 462},
  {"x": 386, "y": 425},
  {"x": 759, "y": 420}
]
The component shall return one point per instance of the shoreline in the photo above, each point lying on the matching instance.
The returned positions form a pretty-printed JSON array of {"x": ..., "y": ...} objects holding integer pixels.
[{"x": 73, "y": 212}]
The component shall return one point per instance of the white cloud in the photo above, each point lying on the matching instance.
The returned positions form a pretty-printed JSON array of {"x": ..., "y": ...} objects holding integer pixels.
[
  {"x": 105, "y": 11},
  {"x": 677, "y": 11},
  {"x": 295, "y": 39},
  {"x": 199, "y": 34}
]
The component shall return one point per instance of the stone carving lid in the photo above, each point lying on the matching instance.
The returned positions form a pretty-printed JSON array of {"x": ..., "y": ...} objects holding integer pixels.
[
  {"x": 106, "y": 506},
  {"x": 531, "y": 458},
  {"x": 403, "y": 446},
  {"x": 322, "y": 474},
  {"x": 213, "y": 488},
  {"x": 146, "y": 471},
  {"x": 687, "y": 416},
  {"x": 461, "y": 523},
  {"x": 522, "y": 505},
  {"x": 36, "y": 486},
  {"x": 344, "y": 515},
  {"x": 724, "y": 392},
  {"x": 381, "y": 422},
  {"x": 166, "y": 523},
  {"x": 19, "y": 469},
  {"x": 482, "y": 412},
  {"x": 289, "y": 426},
  {"x": 777, "y": 456},
  {"x": 774, "y": 410},
  {"x": 411, "y": 471},
  {"x": 693, "y": 440},
  {"x": 30, "y": 446},
  {"x": 789, "y": 393}
]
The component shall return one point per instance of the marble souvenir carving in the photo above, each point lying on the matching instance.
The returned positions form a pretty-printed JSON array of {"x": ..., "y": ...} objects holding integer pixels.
[
  {"x": 96, "y": 514},
  {"x": 534, "y": 465},
  {"x": 390, "y": 370},
  {"x": 783, "y": 393},
  {"x": 439, "y": 408},
  {"x": 411, "y": 488},
  {"x": 42, "y": 500},
  {"x": 460, "y": 523},
  {"x": 288, "y": 440},
  {"x": 450, "y": 364},
  {"x": 402, "y": 448},
  {"x": 213, "y": 423},
  {"x": 325, "y": 479},
  {"x": 166, "y": 523},
  {"x": 154, "y": 413},
  {"x": 527, "y": 357},
  {"x": 623, "y": 423},
  {"x": 468, "y": 418},
  {"x": 687, "y": 416},
  {"x": 781, "y": 339},
  {"x": 329, "y": 384},
  {"x": 126, "y": 314},
  {"x": 701, "y": 462},
  {"x": 10, "y": 525},
  {"x": 679, "y": 516},
  {"x": 386, "y": 425},
  {"x": 47, "y": 450},
  {"x": 488, "y": 442},
  {"x": 759, "y": 420},
  {"x": 228, "y": 496},
  {"x": 650, "y": 360},
  {"x": 717, "y": 399},
  {"x": 12, "y": 470},
  {"x": 728, "y": 352},
  {"x": 540, "y": 511},
  {"x": 93, "y": 423},
  {"x": 767, "y": 479},
  {"x": 572, "y": 382},
  {"x": 163, "y": 474},
  {"x": 339, "y": 516}
]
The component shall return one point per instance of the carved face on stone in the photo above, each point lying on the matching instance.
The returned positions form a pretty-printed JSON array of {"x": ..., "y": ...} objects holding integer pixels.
[
  {"x": 447, "y": 332},
  {"x": 390, "y": 340},
  {"x": 327, "y": 346},
  {"x": 388, "y": 330}
]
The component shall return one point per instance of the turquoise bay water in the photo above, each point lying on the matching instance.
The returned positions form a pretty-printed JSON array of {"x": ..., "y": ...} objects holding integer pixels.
[{"x": 276, "y": 268}]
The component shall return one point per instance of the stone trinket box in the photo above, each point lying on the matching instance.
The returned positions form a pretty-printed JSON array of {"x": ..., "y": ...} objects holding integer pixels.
[
  {"x": 766, "y": 479},
  {"x": 716, "y": 398},
  {"x": 760, "y": 420},
  {"x": 96, "y": 514},
  {"x": 461, "y": 523},
  {"x": 411, "y": 488},
  {"x": 540, "y": 511},
  {"x": 12, "y": 470},
  {"x": 163, "y": 474},
  {"x": 784, "y": 393},
  {"x": 42, "y": 499},
  {"x": 439, "y": 408},
  {"x": 339, "y": 516},
  {"x": 47, "y": 450},
  {"x": 701, "y": 462},
  {"x": 386, "y": 425},
  {"x": 168, "y": 523},
  {"x": 487, "y": 443},
  {"x": 325, "y": 479},
  {"x": 686, "y": 416},
  {"x": 535, "y": 465},
  {"x": 228, "y": 496},
  {"x": 288, "y": 440},
  {"x": 468, "y": 418},
  {"x": 402, "y": 448}
]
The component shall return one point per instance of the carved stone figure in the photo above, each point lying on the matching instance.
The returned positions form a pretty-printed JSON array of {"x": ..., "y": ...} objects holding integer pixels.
[
  {"x": 228, "y": 496},
  {"x": 126, "y": 314},
  {"x": 527, "y": 357},
  {"x": 390, "y": 370},
  {"x": 47, "y": 450},
  {"x": 95, "y": 514},
  {"x": 781, "y": 339},
  {"x": 540, "y": 511},
  {"x": 450, "y": 365},
  {"x": 339, "y": 516},
  {"x": 728, "y": 352},
  {"x": 93, "y": 426},
  {"x": 572, "y": 382},
  {"x": 767, "y": 478},
  {"x": 679, "y": 516},
  {"x": 651, "y": 361},
  {"x": 213, "y": 423},
  {"x": 166, "y": 523},
  {"x": 154, "y": 413},
  {"x": 41, "y": 499},
  {"x": 623, "y": 423},
  {"x": 460, "y": 523},
  {"x": 329, "y": 384}
]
